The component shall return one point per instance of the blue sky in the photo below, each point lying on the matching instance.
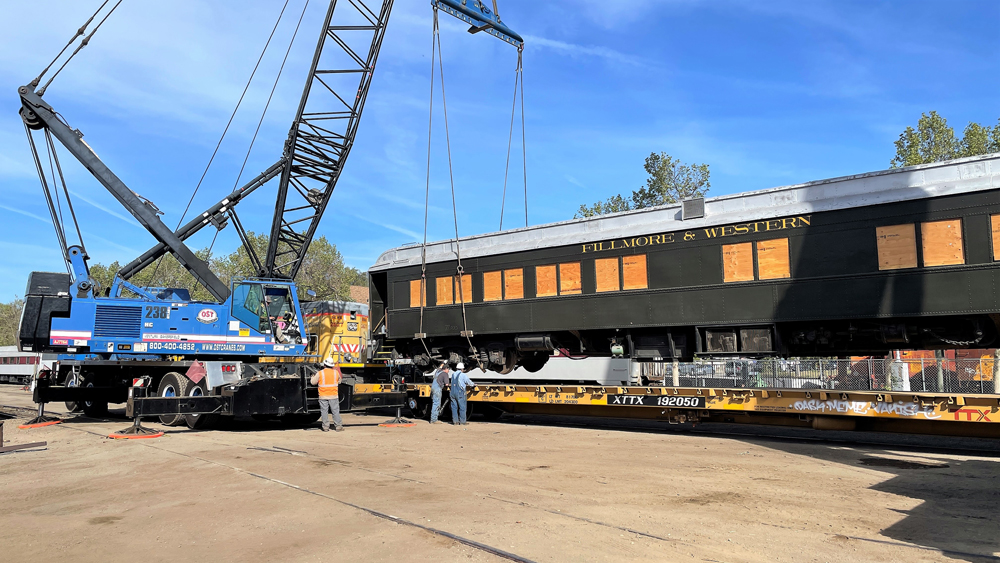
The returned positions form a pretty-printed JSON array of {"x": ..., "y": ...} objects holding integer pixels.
[{"x": 766, "y": 93}]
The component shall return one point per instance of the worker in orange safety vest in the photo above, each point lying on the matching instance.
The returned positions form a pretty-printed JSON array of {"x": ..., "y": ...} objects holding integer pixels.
[{"x": 328, "y": 379}]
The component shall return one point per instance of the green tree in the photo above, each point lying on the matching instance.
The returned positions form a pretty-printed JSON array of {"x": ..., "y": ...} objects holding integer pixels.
[
  {"x": 978, "y": 139},
  {"x": 669, "y": 181},
  {"x": 10, "y": 316},
  {"x": 933, "y": 141}
]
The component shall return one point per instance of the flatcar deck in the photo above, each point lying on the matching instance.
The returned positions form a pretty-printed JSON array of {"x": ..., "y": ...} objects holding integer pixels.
[{"x": 922, "y": 413}]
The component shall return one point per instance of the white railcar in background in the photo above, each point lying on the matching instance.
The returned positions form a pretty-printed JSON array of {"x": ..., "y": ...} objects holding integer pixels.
[{"x": 18, "y": 367}]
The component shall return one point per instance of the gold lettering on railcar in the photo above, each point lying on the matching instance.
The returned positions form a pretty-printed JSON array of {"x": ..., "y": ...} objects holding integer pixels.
[{"x": 701, "y": 234}]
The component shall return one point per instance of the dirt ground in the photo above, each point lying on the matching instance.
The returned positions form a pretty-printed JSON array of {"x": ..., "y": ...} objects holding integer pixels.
[{"x": 524, "y": 488}]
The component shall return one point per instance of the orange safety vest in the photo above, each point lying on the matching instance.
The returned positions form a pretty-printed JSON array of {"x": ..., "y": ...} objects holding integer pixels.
[{"x": 329, "y": 379}]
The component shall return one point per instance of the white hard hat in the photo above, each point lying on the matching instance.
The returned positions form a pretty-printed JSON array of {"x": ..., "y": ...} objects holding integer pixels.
[
  {"x": 460, "y": 365},
  {"x": 329, "y": 363}
]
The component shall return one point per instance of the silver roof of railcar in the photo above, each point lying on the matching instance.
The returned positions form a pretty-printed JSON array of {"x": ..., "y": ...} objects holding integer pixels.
[{"x": 959, "y": 176}]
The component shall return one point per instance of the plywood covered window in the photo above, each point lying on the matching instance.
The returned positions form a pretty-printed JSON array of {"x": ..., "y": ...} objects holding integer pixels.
[
  {"x": 634, "y": 272},
  {"x": 492, "y": 286},
  {"x": 445, "y": 291},
  {"x": 607, "y": 274},
  {"x": 897, "y": 247},
  {"x": 418, "y": 296},
  {"x": 995, "y": 227},
  {"x": 941, "y": 242},
  {"x": 545, "y": 281},
  {"x": 772, "y": 259},
  {"x": 737, "y": 262},
  {"x": 463, "y": 288},
  {"x": 569, "y": 278},
  {"x": 513, "y": 284}
]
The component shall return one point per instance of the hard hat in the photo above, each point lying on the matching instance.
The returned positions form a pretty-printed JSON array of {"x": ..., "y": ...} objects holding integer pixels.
[
  {"x": 329, "y": 363},
  {"x": 460, "y": 365}
]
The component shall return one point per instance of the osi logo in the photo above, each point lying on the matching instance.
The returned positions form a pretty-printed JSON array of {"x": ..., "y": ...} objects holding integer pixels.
[{"x": 207, "y": 316}]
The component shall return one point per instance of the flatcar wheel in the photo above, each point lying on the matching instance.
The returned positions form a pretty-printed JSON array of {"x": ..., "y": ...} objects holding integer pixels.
[
  {"x": 73, "y": 380},
  {"x": 173, "y": 384},
  {"x": 199, "y": 421}
]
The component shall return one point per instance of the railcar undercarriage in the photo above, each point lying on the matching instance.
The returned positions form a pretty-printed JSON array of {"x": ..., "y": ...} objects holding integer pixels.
[{"x": 830, "y": 338}]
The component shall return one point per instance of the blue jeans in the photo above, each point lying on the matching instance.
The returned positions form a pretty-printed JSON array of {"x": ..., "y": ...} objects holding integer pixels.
[
  {"x": 458, "y": 405},
  {"x": 436, "y": 392}
]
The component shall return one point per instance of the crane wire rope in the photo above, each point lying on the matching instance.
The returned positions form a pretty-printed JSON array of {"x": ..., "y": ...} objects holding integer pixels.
[
  {"x": 69, "y": 201},
  {"x": 79, "y": 32},
  {"x": 436, "y": 41},
  {"x": 524, "y": 148},
  {"x": 84, "y": 43},
  {"x": 271, "y": 95},
  {"x": 518, "y": 80},
  {"x": 48, "y": 197},
  {"x": 224, "y": 132},
  {"x": 48, "y": 153}
]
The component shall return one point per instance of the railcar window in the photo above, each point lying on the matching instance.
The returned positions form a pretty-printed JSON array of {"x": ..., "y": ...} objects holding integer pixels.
[
  {"x": 513, "y": 284},
  {"x": 569, "y": 278},
  {"x": 545, "y": 281},
  {"x": 772, "y": 259},
  {"x": 418, "y": 295},
  {"x": 492, "y": 286},
  {"x": 897, "y": 247},
  {"x": 445, "y": 290},
  {"x": 995, "y": 226},
  {"x": 607, "y": 274},
  {"x": 941, "y": 242},
  {"x": 634, "y": 272},
  {"x": 737, "y": 262}
]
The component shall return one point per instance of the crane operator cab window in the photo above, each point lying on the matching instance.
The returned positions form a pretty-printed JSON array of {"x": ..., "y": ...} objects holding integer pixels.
[
  {"x": 282, "y": 315},
  {"x": 248, "y": 306}
]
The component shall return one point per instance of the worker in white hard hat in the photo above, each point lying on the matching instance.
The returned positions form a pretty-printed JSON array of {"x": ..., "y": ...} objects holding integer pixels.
[
  {"x": 328, "y": 379},
  {"x": 459, "y": 383}
]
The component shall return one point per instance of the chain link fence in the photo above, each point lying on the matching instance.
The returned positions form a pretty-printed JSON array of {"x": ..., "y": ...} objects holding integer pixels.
[{"x": 935, "y": 375}]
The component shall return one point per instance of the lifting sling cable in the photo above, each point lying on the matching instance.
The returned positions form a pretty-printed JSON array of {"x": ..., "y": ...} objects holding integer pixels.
[
  {"x": 423, "y": 252},
  {"x": 454, "y": 206},
  {"x": 518, "y": 80},
  {"x": 427, "y": 197},
  {"x": 224, "y": 131}
]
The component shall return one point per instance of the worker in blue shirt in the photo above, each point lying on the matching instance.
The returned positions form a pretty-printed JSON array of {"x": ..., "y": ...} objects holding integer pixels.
[{"x": 459, "y": 383}]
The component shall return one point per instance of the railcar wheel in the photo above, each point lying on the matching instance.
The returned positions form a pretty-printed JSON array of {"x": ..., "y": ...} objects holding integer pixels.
[
  {"x": 509, "y": 363},
  {"x": 173, "y": 384},
  {"x": 199, "y": 421}
]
